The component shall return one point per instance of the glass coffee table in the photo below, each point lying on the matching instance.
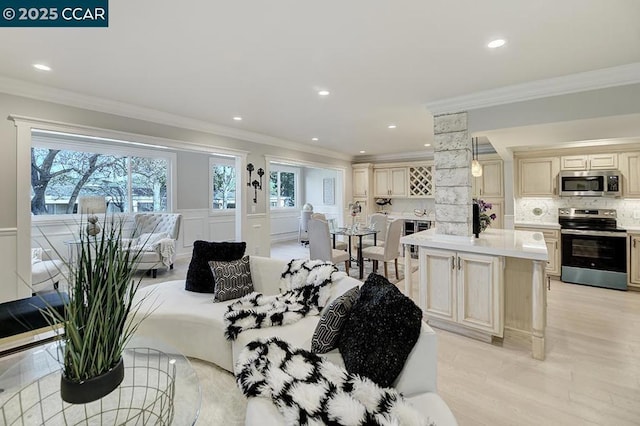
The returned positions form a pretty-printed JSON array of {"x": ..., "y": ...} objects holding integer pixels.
[{"x": 159, "y": 388}]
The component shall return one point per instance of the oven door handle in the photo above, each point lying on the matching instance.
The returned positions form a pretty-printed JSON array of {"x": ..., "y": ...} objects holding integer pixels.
[{"x": 594, "y": 233}]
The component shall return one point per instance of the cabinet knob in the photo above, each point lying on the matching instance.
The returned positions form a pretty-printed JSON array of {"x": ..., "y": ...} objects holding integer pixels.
[
  {"x": 458, "y": 264},
  {"x": 453, "y": 263}
]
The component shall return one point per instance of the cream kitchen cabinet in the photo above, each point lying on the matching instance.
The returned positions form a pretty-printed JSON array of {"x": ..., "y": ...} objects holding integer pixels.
[
  {"x": 464, "y": 289},
  {"x": 497, "y": 207},
  {"x": 538, "y": 177},
  {"x": 630, "y": 168},
  {"x": 490, "y": 183},
  {"x": 607, "y": 161},
  {"x": 634, "y": 261},
  {"x": 552, "y": 240},
  {"x": 361, "y": 180},
  {"x": 390, "y": 182}
]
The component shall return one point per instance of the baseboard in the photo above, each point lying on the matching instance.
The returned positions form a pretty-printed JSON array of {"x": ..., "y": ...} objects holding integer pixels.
[{"x": 459, "y": 329}]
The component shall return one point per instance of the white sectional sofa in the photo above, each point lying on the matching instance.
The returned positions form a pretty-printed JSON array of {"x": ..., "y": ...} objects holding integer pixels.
[{"x": 193, "y": 324}]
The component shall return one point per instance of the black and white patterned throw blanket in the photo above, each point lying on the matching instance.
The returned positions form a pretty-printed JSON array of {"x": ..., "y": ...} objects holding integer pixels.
[
  {"x": 305, "y": 287},
  {"x": 309, "y": 390}
]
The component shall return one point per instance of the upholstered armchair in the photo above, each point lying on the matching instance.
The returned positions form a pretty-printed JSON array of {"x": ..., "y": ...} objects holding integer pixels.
[{"x": 155, "y": 235}]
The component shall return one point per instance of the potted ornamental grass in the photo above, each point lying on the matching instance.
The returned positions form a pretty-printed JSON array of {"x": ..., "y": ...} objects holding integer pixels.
[{"x": 95, "y": 321}]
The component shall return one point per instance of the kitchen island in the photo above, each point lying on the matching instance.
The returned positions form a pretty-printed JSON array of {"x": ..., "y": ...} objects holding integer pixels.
[{"x": 483, "y": 287}]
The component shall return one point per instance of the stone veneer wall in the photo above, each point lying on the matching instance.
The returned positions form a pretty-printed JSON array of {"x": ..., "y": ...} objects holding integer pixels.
[{"x": 452, "y": 161}]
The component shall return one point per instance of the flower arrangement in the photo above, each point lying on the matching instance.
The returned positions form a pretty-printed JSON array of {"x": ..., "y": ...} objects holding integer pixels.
[{"x": 485, "y": 219}]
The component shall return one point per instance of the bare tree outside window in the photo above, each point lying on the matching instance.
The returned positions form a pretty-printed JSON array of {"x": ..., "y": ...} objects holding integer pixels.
[
  {"x": 59, "y": 177},
  {"x": 224, "y": 187}
]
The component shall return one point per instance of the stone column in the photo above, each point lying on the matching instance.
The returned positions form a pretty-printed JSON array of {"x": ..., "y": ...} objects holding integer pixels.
[{"x": 452, "y": 162}]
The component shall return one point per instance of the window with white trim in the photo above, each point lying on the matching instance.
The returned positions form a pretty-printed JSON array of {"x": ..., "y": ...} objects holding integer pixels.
[
  {"x": 222, "y": 183},
  {"x": 283, "y": 187},
  {"x": 130, "y": 180}
]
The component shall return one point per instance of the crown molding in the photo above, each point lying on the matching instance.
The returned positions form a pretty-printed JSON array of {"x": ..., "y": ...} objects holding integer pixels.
[
  {"x": 584, "y": 81},
  {"x": 413, "y": 156},
  {"x": 66, "y": 97},
  {"x": 406, "y": 156}
]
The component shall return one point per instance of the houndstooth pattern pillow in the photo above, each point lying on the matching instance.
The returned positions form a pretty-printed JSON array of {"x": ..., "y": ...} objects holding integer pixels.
[
  {"x": 327, "y": 332},
  {"x": 232, "y": 279}
]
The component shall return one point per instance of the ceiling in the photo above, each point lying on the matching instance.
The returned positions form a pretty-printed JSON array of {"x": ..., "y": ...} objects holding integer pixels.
[{"x": 382, "y": 61}]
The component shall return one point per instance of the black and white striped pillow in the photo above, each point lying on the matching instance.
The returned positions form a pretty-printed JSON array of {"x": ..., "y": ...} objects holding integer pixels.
[
  {"x": 232, "y": 279},
  {"x": 327, "y": 332}
]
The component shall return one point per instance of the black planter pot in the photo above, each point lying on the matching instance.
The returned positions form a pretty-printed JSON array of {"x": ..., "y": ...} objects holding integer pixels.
[{"x": 92, "y": 389}]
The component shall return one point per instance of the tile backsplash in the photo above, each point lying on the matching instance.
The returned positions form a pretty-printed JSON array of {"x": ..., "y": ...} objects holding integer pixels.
[{"x": 549, "y": 206}]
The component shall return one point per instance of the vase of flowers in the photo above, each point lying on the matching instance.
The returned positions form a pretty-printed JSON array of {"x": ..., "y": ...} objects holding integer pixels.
[{"x": 484, "y": 219}]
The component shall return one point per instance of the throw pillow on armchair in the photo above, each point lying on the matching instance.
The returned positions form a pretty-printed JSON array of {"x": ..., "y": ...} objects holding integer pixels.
[{"x": 199, "y": 276}]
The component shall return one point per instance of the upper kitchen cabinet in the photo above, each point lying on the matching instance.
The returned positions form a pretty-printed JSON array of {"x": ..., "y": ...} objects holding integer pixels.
[
  {"x": 590, "y": 162},
  {"x": 390, "y": 182},
  {"x": 630, "y": 168},
  {"x": 490, "y": 183},
  {"x": 538, "y": 177},
  {"x": 421, "y": 181},
  {"x": 361, "y": 174}
]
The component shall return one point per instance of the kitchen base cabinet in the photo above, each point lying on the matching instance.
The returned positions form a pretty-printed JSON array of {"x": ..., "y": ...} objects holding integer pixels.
[{"x": 465, "y": 289}]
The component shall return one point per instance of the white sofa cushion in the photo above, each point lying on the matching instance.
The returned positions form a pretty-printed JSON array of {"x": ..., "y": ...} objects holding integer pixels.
[{"x": 188, "y": 321}]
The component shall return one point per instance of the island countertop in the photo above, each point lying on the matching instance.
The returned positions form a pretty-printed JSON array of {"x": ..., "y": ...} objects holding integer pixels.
[{"x": 499, "y": 242}]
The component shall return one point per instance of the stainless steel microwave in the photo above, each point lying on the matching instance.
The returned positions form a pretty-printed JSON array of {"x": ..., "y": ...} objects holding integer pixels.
[{"x": 594, "y": 183}]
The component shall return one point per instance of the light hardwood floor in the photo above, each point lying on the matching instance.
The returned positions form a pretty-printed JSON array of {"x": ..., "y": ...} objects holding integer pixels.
[{"x": 591, "y": 375}]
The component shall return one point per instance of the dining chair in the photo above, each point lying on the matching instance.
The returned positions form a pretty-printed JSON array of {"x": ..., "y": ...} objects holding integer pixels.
[
  {"x": 391, "y": 249},
  {"x": 379, "y": 222},
  {"x": 320, "y": 244},
  {"x": 340, "y": 245}
]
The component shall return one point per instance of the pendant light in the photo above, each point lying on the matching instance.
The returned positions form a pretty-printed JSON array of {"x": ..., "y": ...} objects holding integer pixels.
[{"x": 476, "y": 167}]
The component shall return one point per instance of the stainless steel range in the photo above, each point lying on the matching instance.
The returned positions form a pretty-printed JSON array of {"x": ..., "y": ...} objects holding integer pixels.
[{"x": 594, "y": 249}]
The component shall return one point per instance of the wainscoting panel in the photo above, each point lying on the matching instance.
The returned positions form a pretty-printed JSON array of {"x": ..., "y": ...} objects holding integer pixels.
[
  {"x": 197, "y": 224},
  {"x": 11, "y": 286},
  {"x": 284, "y": 225}
]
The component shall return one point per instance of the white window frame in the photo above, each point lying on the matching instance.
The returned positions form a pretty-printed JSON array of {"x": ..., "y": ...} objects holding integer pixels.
[
  {"x": 226, "y": 161},
  {"x": 274, "y": 167},
  {"x": 98, "y": 145}
]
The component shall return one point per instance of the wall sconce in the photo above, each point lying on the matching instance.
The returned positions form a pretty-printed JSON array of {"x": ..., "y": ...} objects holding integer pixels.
[
  {"x": 249, "y": 169},
  {"x": 260, "y": 173},
  {"x": 256, "y": 185},
  {"x": 476, "y": 167}
]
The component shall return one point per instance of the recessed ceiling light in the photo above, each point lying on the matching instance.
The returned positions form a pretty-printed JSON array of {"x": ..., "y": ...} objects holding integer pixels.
[
  {"x": 391, "y": 126},
  {"x": 314, "y": 139},
  {"x": 323, "y": 92},
  {"x": 362, "y": 152},
  {"x": 427, "y": 144},
  {"x": 237, "y": 118},
  {"x": 42, "y": 67},
  {"x": 496, "y": 43}
]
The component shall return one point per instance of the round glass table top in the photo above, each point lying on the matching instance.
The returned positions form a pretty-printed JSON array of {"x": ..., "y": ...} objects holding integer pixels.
[{"x": 159, "y": 388}]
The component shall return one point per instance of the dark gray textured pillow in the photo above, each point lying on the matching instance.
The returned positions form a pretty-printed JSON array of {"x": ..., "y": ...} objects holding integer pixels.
[
  {"x": 233, "y": 279},
  {"x": 327, "y": 332},
  {"x": 382, "y": 328}
]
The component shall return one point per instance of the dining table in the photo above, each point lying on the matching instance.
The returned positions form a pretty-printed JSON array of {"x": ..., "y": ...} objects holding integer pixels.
[{"x": 359, "y": 233}]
